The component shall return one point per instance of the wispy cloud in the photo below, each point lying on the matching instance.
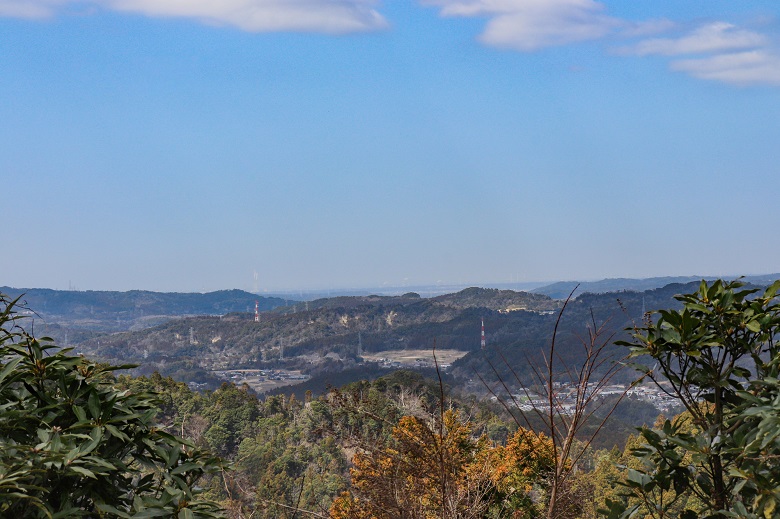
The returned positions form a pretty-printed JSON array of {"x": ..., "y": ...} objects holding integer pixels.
[
  {"x": 646, "y": 28},
  {"x": 739, "y": 68},
  {"x": 528, "y": 25},
  {"x": 28, "y": 9},
  {"x": 717, "y": 51},
  {"x": 713, "y": 37},
  {"x": 326, "y": 16}
]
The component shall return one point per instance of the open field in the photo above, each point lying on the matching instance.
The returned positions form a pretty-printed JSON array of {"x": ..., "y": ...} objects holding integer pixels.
[
  {"x": 414, "y": 357},
  {"x": 262, "y": 380}
]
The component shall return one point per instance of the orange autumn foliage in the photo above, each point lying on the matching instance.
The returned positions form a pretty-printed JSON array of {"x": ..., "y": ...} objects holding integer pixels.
[{"x": 433, "y": 469}]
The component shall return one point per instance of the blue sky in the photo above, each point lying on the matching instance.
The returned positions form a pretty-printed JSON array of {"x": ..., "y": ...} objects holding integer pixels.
[{"x": 187, "y": 145}]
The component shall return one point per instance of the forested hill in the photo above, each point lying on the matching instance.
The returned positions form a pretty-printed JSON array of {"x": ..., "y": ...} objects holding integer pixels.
[
  {"x": 334, "y": 334},
  {"x": 108, "y": 311},
  {"x": 562, "y": 289},
  {"x": 473, "y": 297},
  {"x": 517, "y": 341},
  {"x": 334, "y": 328}
]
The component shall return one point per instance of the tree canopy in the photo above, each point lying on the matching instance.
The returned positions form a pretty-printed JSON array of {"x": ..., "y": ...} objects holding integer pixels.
[
  {"x": 71, "y": 444},
  {"x": 720, "y": 358}
]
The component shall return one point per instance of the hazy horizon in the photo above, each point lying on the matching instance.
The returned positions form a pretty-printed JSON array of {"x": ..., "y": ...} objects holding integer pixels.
[{"x": 424, "y": 288}]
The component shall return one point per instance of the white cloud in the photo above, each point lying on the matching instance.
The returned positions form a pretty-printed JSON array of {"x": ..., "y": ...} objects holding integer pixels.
[
  {"x": 714, "y": 37},
  {"x": 28, "y": 9},
  {"x": 528, "y": 25},
  {"x": 326, "y": 16},
  {"x": 717, "y": 51},
  {"x": 646, "y": 28},
  {"x": 740, "y": 68}
]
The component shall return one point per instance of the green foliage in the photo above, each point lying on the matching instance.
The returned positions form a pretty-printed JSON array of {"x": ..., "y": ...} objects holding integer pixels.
[
  {"x": 232, "y": 411},
  {"x": 282, "y": 463},
  {"x": 287, "y": 465},
  {"x": 719, "y": 357},
  {"x": 72, "y": 445}
]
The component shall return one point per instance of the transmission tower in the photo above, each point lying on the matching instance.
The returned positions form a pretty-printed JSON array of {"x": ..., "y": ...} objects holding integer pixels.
[{"x": 482, "y": 342}]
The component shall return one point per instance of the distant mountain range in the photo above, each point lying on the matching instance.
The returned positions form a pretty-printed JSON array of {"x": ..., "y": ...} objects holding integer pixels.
[
  {"x": 189, "y": 335},
  {"x": 557, "y": 290},
  {"x": 562, "y": 289},
  {"x": 106, "y": 311},
  {"x": 328, "y": 335}
]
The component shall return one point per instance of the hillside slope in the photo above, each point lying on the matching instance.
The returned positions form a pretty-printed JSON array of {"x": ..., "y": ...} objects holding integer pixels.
[
  {"x": 334, "y": 333},
  {"x": 106, "y": 311},
  {"x": 294, "y": 337}
]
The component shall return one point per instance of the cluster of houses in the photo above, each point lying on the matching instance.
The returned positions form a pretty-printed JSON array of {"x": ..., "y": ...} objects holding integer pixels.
[
  {"x": 239, "y": 376},
  {"x": 566, "y": 397}
]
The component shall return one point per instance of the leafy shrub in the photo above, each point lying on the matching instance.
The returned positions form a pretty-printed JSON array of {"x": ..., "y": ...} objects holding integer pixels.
[{"x": 72, "y": 445}]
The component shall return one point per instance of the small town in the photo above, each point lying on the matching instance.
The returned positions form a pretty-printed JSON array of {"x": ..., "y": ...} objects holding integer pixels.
[{"x": 527, "y": 400}]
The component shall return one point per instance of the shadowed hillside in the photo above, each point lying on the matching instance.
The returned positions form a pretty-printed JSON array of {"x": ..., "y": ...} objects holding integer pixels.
[{"x": 103, "y": 311}]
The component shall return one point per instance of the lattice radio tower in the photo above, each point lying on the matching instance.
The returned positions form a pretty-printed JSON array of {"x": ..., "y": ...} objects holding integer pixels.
[
  {"x": 257, "y": 312},
  {"x": 482, "y": 343}
]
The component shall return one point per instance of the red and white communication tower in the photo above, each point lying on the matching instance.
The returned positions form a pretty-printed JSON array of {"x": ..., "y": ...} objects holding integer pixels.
[
  {"x": 483, "y": 335},
  {"x": 257, "y": 312}
]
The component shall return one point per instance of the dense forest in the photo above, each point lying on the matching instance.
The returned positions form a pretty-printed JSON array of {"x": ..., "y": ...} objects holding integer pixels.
[{"x": 78, "y": 438}]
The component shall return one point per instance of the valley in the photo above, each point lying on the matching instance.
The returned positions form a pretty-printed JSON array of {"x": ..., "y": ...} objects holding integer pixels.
[{"x": 343, "y": 336}]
